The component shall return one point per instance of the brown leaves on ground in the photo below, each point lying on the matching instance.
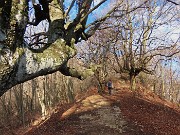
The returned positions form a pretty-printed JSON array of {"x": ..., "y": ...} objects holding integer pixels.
[{"x": 119, "y": 113}]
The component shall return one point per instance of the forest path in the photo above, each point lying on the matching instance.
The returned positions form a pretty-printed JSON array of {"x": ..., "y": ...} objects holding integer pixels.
[
  {"x": 95, "y": 115},
  {"x": 121, "y": 113}
]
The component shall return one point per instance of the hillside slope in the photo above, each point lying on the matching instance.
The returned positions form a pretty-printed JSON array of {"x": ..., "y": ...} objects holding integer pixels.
[{"x": 119, "y": 113}]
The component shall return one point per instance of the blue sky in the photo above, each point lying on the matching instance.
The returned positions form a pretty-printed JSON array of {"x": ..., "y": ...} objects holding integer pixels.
[{"x": 99, "y": 12}]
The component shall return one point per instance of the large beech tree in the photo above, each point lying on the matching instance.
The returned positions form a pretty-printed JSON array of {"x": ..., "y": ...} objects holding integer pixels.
[
  {"x": 68, "y": 25},
  {"x": 19, "y": 61}
]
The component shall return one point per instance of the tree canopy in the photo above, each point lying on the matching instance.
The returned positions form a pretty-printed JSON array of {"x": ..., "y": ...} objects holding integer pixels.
[{"x": 25, "y": 54}]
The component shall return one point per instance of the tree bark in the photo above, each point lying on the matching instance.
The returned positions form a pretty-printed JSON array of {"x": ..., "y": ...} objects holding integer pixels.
[
  {"x": 41, "y": 96},
  {"x": 133, "y": 82}
]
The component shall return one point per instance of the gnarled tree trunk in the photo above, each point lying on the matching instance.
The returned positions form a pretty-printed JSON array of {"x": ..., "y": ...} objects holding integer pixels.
[{"x": 19, "y": 62}]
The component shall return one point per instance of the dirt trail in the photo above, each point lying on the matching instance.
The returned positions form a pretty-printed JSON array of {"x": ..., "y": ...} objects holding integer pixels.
[
  {"x": 121, "y": 113},
  {"x": 95, "y": 115}
]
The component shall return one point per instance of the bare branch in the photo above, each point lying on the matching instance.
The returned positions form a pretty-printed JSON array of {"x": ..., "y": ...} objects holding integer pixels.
[
  {"x": 91, "y": 10},
  {"x": 172, "y": 2},
  {"x": 69, "y": 9},
  {"x": 96, "y": 24}
]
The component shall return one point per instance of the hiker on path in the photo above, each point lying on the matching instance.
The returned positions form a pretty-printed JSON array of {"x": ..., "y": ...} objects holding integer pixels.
[{"x": 110, "y": 86}]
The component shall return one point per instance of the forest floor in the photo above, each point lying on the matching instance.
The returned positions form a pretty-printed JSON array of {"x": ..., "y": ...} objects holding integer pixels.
[{"x": 123, "y": 112}]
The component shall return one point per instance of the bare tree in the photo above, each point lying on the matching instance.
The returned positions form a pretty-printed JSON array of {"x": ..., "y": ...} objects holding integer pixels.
[{"x": 138, "y": 43}]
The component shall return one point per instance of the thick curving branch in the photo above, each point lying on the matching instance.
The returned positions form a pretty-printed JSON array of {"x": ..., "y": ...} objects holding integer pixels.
[
  {"x": 26, "y": 65},
  {"x": 73, "y": 72}
]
